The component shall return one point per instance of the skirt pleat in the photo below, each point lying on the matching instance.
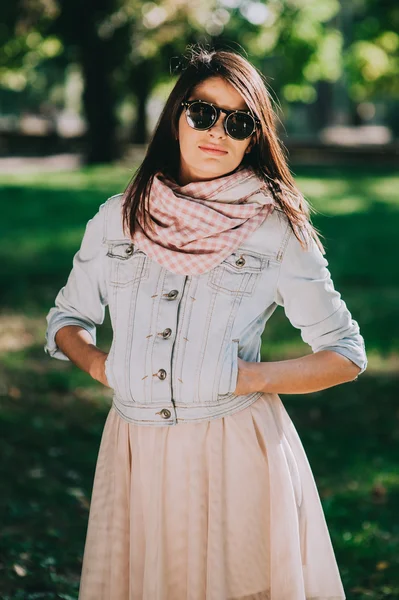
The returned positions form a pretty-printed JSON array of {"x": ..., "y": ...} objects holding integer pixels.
[{"x": 225, "y": 509}]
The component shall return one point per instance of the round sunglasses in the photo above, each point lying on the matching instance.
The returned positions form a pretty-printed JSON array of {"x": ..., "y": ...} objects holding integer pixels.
[{"x": 238, "y": 124}]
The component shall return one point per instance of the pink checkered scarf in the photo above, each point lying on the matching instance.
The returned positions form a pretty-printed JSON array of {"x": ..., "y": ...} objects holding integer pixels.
[{"x": 197, "y": 225}]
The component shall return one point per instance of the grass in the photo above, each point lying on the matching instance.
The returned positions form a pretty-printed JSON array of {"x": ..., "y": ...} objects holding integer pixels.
[{"x": 52, "y": 414}]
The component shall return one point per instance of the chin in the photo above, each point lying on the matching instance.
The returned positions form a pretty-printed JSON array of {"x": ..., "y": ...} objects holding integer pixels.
[{"x": 214, "y": 167}]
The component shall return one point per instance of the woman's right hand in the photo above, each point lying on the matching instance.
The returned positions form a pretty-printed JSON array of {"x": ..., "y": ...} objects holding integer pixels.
[{"x": 97, "y": 368}]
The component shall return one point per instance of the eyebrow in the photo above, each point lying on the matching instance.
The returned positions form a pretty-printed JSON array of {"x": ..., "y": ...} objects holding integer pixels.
[{"x": 200, "y": 97}]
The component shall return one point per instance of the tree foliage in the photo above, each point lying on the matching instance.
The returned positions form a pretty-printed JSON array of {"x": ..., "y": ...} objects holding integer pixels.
[{"x": 124, "y": 48}]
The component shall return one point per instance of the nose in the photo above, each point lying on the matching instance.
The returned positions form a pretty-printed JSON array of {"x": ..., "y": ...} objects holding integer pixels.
[{"x": 217, "y": 130}]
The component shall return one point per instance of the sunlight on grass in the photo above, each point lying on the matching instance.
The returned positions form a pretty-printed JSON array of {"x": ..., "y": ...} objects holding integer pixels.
[
  {"x": 102, "y": 178},
  {"x": 318, "y": 188},
  {"x": 15, "y": 333},
  {"x": 386, "y": 188},
  {"x": 334, "y": 195},
  {"x": 342, "y": 206},
  {"x": 379, "y": 364}
]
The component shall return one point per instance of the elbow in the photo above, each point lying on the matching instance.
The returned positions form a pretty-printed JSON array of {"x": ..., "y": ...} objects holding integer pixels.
[
  {"x": 349, "y": 369},
  {"x": 352, "y": 369},
  {"x": 345, "y": 363},
  {"x": 351, "y": 358}
]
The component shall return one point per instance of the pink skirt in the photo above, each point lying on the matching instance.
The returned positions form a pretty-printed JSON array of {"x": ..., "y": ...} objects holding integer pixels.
[{"x": 225, "y": 509}]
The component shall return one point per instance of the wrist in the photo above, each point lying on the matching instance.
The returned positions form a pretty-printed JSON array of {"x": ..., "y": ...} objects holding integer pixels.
[{"x": 260, "y": 372}]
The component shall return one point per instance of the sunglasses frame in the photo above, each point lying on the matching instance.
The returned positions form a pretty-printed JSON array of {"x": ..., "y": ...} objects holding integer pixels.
[{"x": 187, "y": 104}]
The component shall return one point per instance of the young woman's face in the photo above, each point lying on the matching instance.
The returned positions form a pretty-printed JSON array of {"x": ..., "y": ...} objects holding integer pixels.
[{"x": 196, "y": 164}]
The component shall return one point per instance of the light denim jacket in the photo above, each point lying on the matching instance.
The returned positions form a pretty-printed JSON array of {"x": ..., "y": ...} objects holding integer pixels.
[{"x": 176, "y": 338}]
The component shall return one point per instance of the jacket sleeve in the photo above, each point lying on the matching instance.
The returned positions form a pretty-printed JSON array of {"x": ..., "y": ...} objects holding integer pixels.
[
  {"x": 83, "y": 298},
  {"x": 306, "y": 291}
]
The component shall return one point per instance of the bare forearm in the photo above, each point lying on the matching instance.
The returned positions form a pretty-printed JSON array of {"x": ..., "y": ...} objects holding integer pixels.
[
  {"x": 304, "y": 375},
  {"x": 77, "y": 344}
]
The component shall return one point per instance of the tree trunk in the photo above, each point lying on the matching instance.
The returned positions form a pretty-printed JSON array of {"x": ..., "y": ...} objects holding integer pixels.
[
  {"x": 78, "y": 25},
  {"x": 139, "y": 135},
  {"x": 141, "y": 82},
  {"x": 320, "y": 113},
  {"x": 99, "y": 103}
]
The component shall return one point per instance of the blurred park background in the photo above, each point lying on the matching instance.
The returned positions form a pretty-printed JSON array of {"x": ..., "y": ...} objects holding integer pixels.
[{"x": 81, "y": 87}]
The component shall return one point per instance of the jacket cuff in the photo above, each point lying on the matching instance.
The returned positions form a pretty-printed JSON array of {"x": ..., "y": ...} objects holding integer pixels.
[
  {"x": 51, "y": 347},
  {"x": 360, "y": 359}
]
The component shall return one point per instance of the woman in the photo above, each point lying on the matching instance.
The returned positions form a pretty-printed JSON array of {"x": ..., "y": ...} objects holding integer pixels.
[{"x": 202, "y": 488}]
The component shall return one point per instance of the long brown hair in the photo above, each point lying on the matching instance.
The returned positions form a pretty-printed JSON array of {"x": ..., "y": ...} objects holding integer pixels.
[{"x": 267, "y": 156}]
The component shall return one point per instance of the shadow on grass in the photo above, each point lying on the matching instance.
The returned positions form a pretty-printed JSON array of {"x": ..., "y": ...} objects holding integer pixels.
[
  {"x": 351, "y": 434},
  {"x": 51, "y": 426}
]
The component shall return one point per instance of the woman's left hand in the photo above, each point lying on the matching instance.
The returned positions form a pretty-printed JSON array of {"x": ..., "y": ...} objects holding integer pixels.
[{"x": 248, "y": 380}]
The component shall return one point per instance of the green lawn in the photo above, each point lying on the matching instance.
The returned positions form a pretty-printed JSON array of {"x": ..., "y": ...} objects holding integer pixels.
[{"x": 52, "y": 414}]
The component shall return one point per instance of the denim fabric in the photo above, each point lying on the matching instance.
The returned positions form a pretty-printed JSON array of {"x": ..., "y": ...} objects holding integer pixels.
[{"x": 176, "y": 338}]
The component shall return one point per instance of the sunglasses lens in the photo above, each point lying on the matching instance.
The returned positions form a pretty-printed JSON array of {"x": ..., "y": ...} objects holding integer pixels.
[
  {"x": 240, "y": 126},
  {"x": 201, "y": 115}
]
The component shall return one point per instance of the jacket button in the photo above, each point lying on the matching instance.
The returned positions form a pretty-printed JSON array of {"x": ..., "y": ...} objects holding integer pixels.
[
  {"x": 173, "y": 294},
  {"x": 165, "y": 413},
  {"x": 166, "y": 333},
  {"x": 129, "y": 249},
  {"x": 161, "y": 374},
  {"x": 240, "y": 262}
]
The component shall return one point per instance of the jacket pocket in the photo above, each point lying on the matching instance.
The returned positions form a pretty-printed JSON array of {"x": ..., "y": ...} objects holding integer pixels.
[
  {"x": 127, "y": 264},
  {"x": 229, "y": 374},
  {"x": 237, "y": 274}
]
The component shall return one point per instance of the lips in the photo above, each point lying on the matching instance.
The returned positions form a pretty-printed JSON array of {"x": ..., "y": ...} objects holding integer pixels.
[{"x": 213, "y": 150}]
